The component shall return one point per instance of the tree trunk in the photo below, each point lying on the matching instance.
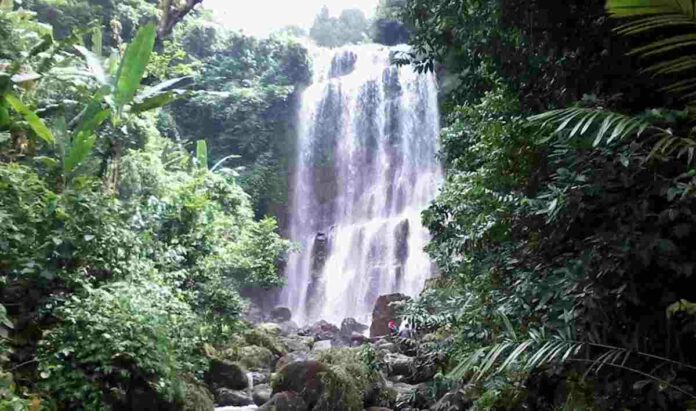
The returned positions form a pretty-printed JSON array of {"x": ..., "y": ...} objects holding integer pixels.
[{"x": 172, "y": 15}]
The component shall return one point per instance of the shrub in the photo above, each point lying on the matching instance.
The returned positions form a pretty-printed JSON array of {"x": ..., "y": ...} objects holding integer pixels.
[{"x": 116, "y": 338}]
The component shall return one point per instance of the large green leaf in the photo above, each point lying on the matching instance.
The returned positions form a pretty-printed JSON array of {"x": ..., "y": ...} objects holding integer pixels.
[
  {"x": 202, "y": 154},
  {"x": 133, "y": 64},
  {"x": 6, "y": 5},
  {"x": 4, "y": 114},
  {"x": 92, "y": 116},
  {"x": 31, "y": 118},
  {"x": 80, "y": 148},
  {"x": 84, "y": 138},
  {"x": 161, "y": 94}
]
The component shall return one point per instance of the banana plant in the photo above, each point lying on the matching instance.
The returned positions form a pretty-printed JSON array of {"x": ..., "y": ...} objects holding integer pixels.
[
  {"x": 119, "y": 95},
  {"x": 202, "y": 160}
]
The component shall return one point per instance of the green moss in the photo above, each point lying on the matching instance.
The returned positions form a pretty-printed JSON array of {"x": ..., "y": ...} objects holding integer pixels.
[
  {"x": 350, "y": 360},
  {"x": 197, "y": 397},
  {"x": 255, "y": 357},
  {"x": 340, "y": 390},
  {"x": 264, "y": 339}
]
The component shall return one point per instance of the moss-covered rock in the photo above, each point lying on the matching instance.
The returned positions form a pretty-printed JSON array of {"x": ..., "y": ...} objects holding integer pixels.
[
  {"x": 261, "y": 394},
  {"x": 264, "y": 338},
  {"x": 297, "y": 343},
  {"x": 197, "y": 397},
  {"x": 321, "y": 386},
  {"x": 304, "y": 378},
  {"x": 350, "y": 360},
  {"x": 236, "y": 398},
  {"x": 285, "y": 401},
  {"x": 256, "y": 358},
  {"x": 227, "y": 374},
  {"x": 270, "y": 328},
  {"x": 338, "y": 380}
]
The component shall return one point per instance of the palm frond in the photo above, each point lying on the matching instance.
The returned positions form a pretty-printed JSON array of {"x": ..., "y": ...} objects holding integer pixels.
[
  {"x": 674, "y": 146},
  {"x": 606, "y": 126},
  {"x": 539, "y": 350},
  {"x": 676, "y": 19}
]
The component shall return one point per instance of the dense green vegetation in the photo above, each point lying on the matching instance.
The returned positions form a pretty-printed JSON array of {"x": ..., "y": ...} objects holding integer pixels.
[
  {"x": 144, "y": 149},
  {"x": 564, "y": 239},
  {"x": 122, "y": 253}
]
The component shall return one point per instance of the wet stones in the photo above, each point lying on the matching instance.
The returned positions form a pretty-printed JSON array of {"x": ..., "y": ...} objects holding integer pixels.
[
  {"x": 281, "y": 314},
  {"x": 236, "y": 398},
  {"x": 322, "y": 330},
  {"x": 261, "y": 394},
  {"x": 227, "y": 374},
  {"x": 350, "y": 326},
  {"x": 343, "y": 63}
]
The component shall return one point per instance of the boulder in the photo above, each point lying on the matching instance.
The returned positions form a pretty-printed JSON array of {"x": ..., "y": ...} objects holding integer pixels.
[
  {"x": 260, "y": 377},
  {"x": 358, "y": 339},
  {"x": 197, "y": 397},
  {"x": 411, "y": 396},
  {"x": 256, "y": 358},
  {"x": 261, "y": 394},
  {"x": 383, "y": 312},
  {"x": 297, "y": 343},
  {"x": 453, "y": 401},
  {"x": 226, "y": 397},
  {"x": 423, "y": 370},
  {"x": 227, "y": 374},
  {"x": 322, "y": 330},
  {"x": 303, "y": 377},
  {"x": 322, "y": 386},
  {"x": 288, "y": 327},
  {"x": 322, "y": 345},
  {"x": 285, "y": 401},
  {"x": 281, "y": 314},
  {"x": 262, "y": 338},
  {"x": 350, "y": 326},
  {"x": 386, "y": 347},
  {"x": 270, "y": 328},
  {"x": 291, "y": 357},
  {"x": 399, "y": 364},
  {"x": 253, "y": 314}
]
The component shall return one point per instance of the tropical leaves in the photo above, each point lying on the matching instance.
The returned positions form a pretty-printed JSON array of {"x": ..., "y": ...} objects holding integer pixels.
[
  {"x": 133, "y": 65},
  {"x": 118, "y": 82},
  {"x": 36, "y": 124},
  {"x": 539, "y": 349},
  {"x": 674, "y": 21},
  {"x": 606, "y": 126}
]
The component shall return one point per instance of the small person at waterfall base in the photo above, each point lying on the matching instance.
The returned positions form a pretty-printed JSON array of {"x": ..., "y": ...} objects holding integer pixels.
[
  {"x": 393, "y": 329},
  {"x": 406, "y": 332}
]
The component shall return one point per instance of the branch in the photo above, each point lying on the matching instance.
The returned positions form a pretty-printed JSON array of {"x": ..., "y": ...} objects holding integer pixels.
[{"x": 172, "y": 15}]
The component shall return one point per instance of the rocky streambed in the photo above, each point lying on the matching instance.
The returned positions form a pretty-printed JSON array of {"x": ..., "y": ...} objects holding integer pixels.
[{"x": 280, "y": 366}]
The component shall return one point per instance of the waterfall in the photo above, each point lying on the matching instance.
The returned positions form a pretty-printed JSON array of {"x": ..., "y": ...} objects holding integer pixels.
[{"x": 366, "y": 167}]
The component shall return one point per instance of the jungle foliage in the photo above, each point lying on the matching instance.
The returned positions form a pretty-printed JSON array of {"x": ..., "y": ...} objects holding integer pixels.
[
  {"x": 122, "y": 253},
  {"x": 564, "y": 228}
]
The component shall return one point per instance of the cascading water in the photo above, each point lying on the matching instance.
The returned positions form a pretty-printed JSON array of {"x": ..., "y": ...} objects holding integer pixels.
[{"x": 366, "y": 168}]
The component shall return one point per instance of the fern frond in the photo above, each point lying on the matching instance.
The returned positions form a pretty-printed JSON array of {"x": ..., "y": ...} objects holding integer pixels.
[
  {"x": 674, "y": 18},
  {"x": 606, "y": 126},
  {"x": 538, "y": 351}
]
